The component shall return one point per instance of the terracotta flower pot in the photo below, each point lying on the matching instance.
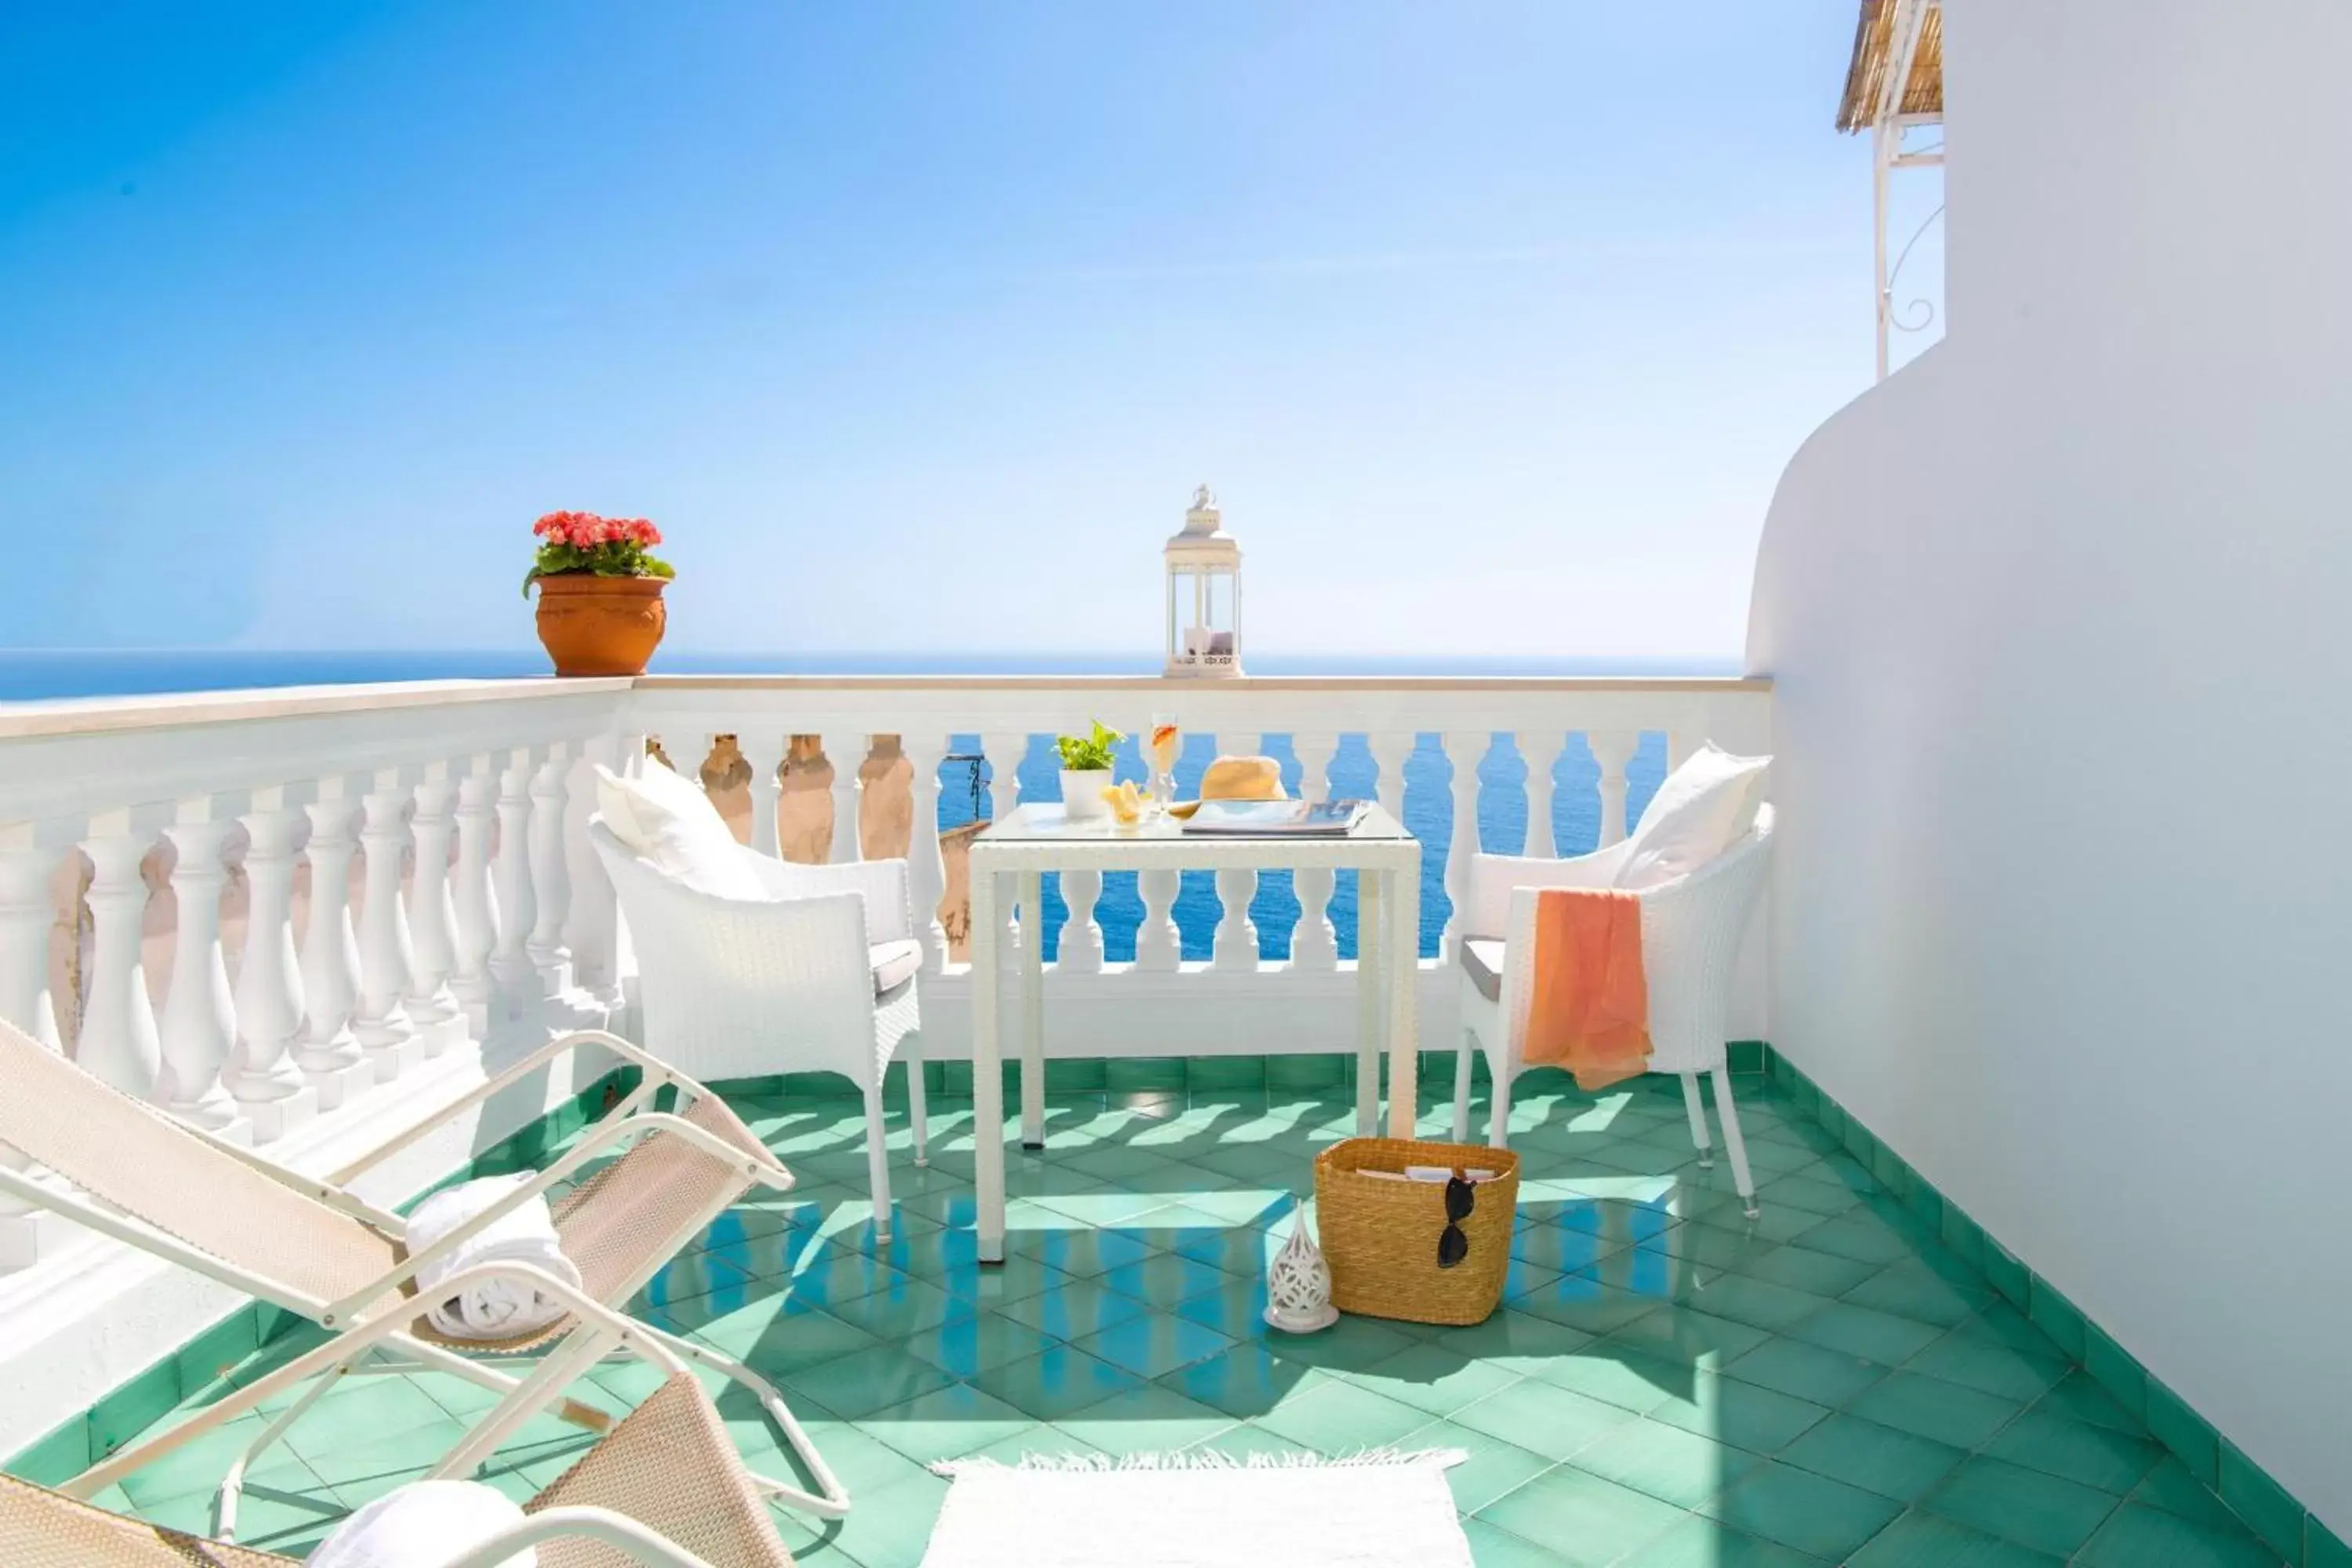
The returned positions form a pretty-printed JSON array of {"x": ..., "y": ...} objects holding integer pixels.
[{"x": 601, "y": 626}]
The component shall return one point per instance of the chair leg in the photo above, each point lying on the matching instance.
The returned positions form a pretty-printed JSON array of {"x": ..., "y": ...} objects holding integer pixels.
[
  {"x": 1499, "y": 1133},
  {"x": 917, "y": 1112},
  {"x": 1699, "y": 1135},
  {"x": 1462, "y": 1086},
  {"x": 878, "y": 1162},
  {"x": 830, "y": 1499},
  {"x": 1740, "y": 1176}
]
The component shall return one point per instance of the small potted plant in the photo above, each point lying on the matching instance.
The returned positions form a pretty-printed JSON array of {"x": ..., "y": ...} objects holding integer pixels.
[
  {"x": 1085, "y": 770},
  {"x": 600, "y": 591}
]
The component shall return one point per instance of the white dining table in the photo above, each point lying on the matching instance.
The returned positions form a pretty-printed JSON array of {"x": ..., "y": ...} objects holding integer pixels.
[{"x": 1009, "y": 861}]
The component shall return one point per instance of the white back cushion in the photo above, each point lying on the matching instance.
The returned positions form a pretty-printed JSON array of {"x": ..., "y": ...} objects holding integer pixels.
[
  {"x": 669, "y": 822},
  {"x": 1702, "y": 809}
]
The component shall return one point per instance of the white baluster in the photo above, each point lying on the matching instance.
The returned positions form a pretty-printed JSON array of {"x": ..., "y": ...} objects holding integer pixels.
[
  {"x": 1680, "y": 744},
  {"x": 767, "y": 790},
  {"x": 432, "y": 918},
  {"x": 591, "y": 929},
  {"x": 1159, "y": 945},
  {"x": 475, "y": 901},
  {"x": 27, "y": 914},
  {"x": 1390, "y": 751},
  {"x": 848, "y": 789},
  {"x": 1235, "y": 946},
  {"x": 1314, "y": 946},
  {"x": 511, "y": 968},
  {"x": 1465, "y": 750},
  {"x": 261, "y": 1073},
  {"x": 1004, "y": 752},
  {"x": 927, "y": 871},
  {"x": 549, "y": 879},
  {"x": 1541, "y": 750},
  {"x": 382, "y": 1022},
  {"x": 330, "y": 1054},
  {"x": 118, "y": 1040},
  {"x": 1613, "y": 749},
  {"x": 1081, "y": 950},
  {"x": 199, "y": 1021}
]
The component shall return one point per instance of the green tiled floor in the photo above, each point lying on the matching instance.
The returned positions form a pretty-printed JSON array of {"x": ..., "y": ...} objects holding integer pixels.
[{"x": 1666, "y": 1383}]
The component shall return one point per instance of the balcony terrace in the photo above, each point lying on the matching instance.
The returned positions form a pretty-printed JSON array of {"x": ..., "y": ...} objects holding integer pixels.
[{"x": 1860, "y": 1374}]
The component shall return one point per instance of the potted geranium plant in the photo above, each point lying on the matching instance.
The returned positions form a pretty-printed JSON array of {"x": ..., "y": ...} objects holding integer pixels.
[
  {"x": 600, "y": 591},
  {"x": 1085, "y": 770}
]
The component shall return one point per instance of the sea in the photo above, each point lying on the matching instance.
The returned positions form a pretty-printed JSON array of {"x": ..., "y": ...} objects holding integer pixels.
[{"x": 49, "y": 676}]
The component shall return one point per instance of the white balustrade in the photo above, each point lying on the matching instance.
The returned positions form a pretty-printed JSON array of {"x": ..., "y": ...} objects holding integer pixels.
[
  {"x": 927, "y": 870},
  {"x": 330, "y": 1052},
  {"x": 27, "y": 912},
  {"x": 1465, "y": 750},
  {"x": 848, "y": 763},
  {"x": 550, "y": 875},
  {"x": 505, "y": 928},
  {"x": 199, "y": 1021},
  {"x": 433, "y": 1007},
  {"x": 473, "y": 900},
  {"x": 118, "y": 1040},
  {"x": 1314, "y": 946},
  {"x": 1004, "y": 752},
  {"x": 261, "y": 1072},
  {"x": 382, "y": 1021},
  {"x": 1613, "y": 749}
]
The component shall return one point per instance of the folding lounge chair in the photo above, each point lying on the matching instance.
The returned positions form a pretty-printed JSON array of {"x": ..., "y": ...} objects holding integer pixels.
[
  {"x": 312, "y": 1247},
  {"x": 664, "y": 1489}
]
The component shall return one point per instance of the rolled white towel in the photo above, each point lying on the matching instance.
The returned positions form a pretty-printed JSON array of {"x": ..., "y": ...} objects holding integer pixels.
[
  {"x": 502, "y": 1309},
  {"x": 422, "y": 1525}
]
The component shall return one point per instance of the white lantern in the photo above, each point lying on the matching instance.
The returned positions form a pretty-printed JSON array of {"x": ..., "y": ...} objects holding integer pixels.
[
  {"x": 1298, "y": 1285},
  {"x": 1204, "y": 594}
]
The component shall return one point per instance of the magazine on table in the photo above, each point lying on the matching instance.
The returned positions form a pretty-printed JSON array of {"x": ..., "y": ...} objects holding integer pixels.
[{"x": 1277, "y": 818}]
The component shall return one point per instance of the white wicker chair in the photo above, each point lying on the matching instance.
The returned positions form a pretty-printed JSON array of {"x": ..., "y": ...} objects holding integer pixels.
[
  {"x": 818, "y": 975},
  {"x": 1691, "y": 931}
]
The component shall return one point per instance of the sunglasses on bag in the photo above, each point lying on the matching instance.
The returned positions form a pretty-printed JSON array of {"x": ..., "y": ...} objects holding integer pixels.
[{"x": 1461, "y": 1197}]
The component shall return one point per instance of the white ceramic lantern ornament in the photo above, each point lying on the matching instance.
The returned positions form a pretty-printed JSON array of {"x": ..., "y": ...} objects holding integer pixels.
[{"x": 1298, "y": 1286}]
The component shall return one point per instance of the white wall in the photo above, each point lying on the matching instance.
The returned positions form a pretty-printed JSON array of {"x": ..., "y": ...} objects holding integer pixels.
[{"x": 2058, "y": 619}]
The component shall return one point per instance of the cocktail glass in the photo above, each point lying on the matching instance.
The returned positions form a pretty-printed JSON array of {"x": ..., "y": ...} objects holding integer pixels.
[{"x": 1162, "y": 743}]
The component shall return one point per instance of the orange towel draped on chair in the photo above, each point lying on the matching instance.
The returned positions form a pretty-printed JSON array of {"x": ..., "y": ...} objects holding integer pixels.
[{"x": 1589, "y": 1009}]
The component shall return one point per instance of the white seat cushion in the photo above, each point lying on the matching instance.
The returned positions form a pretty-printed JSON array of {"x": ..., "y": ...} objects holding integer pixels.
[
  {"x": 669, "y": 822},
  {"x": 1704, "y": 807},
  {"x": 894, "y": 963}
]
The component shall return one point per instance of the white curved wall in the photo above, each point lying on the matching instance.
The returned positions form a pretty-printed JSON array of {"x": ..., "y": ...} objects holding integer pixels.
[{"x": 2058, "y": 620}]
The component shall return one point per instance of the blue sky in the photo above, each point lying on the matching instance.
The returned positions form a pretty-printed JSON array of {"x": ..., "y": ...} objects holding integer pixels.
[{"x": 914, "y": 324}]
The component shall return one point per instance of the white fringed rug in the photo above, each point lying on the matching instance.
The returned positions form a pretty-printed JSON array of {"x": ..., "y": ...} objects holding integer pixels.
[{"x": 1380, "y": 1509}]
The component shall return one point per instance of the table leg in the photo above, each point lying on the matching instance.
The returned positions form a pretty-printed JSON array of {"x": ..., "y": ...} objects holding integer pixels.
[
  {"x": 1372, "y": 1002},
  {"x": 987, "y": 1077},
  {"x": 1403, "y": 977},
  {"x": 1032, "y": 1010}
]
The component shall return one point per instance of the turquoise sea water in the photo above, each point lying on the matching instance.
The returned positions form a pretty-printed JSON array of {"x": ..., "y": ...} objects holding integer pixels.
[{"x": 1428, "y": 799}]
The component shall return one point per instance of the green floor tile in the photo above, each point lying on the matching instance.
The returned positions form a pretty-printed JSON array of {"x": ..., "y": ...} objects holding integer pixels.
[
  {"x": 1584, "y": 1518},
  {"x": 1541, "y": 1418},
  {"x": 1431, "y": 1378},
  {"x": 1882, "y": 1459},
  {"x": 1074, "y": 1311},
  {"x": 2077, "y": 1451},
  {"x": 858, "y": 1384},
  {"x": 1948, "y": 1412},
  {"x": 1825, "y": 1377},
  {"x": 1491, "y": 1546},
  {"x": 1340, "y": 1418},
  {"x": 2136, "y": 1537},
  {"x": 1492, "y": 1469},
  {"x": 1802, "y": 1510},
  {"x": 1990, "y": 1366},
  {"x": 1665, "y": 1462},
  {"x": 1869, "y": 1335},
  {"x": 1621, "y": 1374},
  {"x": 1744, "y": 1414},
  {"x": 1151, "y": 1420},
  {"x": 944, "y": 1424},
  {"x": 2021, "y": 1505},
  {"x": 1246, "y": 1380},
  {"x": 1154, "y": 1344},
  {"x": 1700, "y": 1542},
  {"x": 1821, "y": 1274},
  {"x": 1924, "y": 1541}
]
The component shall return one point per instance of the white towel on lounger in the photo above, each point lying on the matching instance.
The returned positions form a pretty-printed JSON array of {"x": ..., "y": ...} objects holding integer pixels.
[
  {"x": 424, "y": 1522},
  {"x": 501, "y": 1308}
]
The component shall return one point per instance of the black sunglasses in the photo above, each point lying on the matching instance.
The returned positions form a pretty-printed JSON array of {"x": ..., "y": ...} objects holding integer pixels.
[{"x": 1461, "y": 1197}]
